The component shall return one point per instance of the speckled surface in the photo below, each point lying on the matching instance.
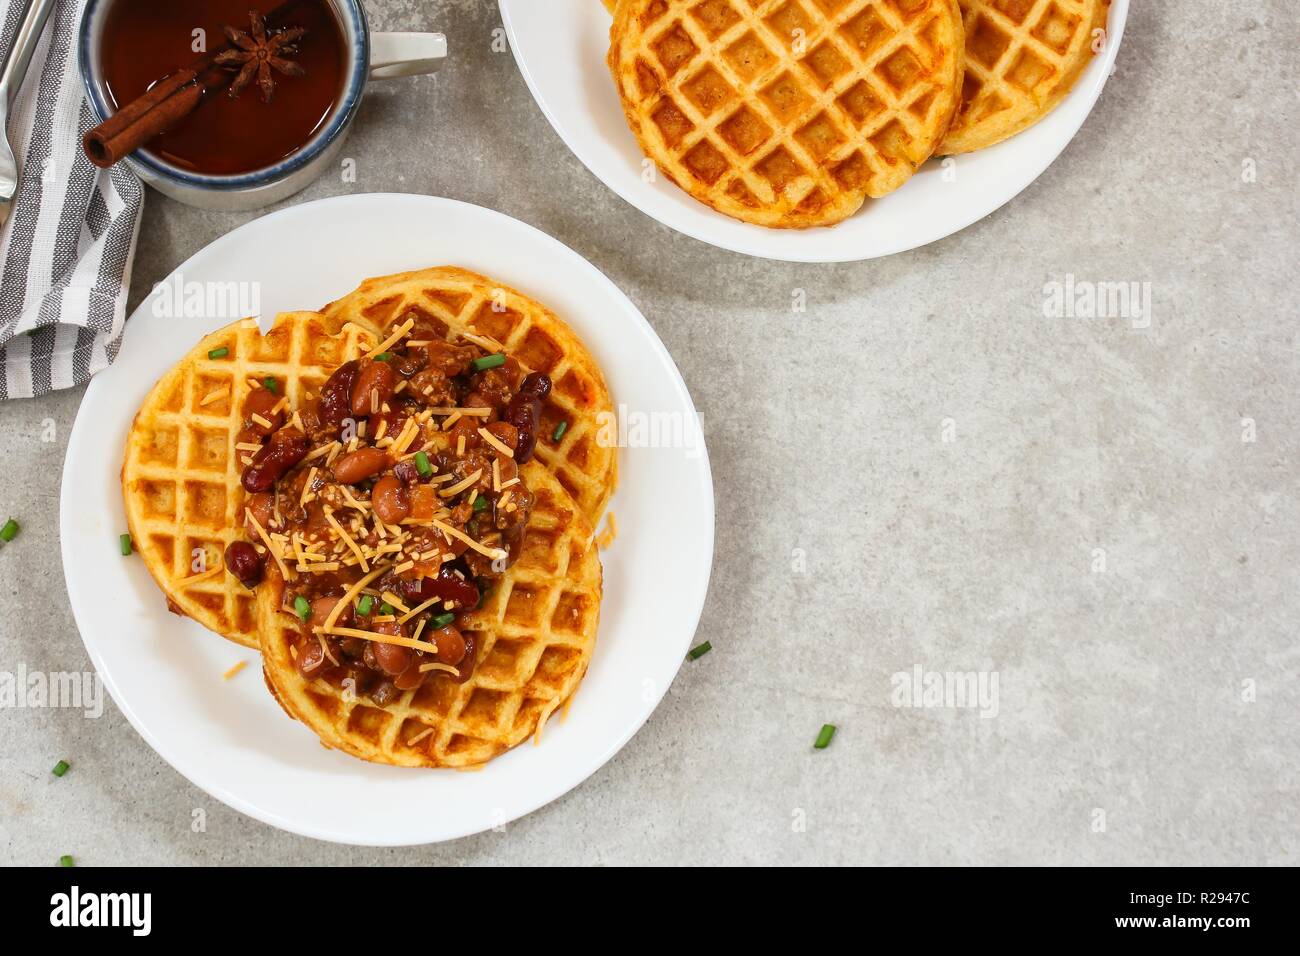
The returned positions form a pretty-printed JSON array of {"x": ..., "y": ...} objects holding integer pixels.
[{"x": 918, "y": 470}]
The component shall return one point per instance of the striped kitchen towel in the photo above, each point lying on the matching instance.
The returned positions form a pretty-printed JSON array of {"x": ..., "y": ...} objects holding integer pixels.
[{"x": 71, "y": 236}]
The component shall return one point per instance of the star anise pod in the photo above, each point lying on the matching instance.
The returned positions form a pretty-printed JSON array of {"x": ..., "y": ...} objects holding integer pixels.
[{"x": 257, "y": 52}]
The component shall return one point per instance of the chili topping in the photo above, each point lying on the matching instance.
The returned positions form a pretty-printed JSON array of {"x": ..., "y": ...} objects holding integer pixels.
[{"x": 390, "y": 501}]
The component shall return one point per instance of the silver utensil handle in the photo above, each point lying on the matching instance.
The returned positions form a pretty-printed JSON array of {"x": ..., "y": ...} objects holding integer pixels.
[{"x": 19, "y": 56}]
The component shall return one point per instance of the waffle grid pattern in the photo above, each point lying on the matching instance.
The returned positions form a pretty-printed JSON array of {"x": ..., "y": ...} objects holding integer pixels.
[
  {"x": 788, "y": 112},
  {"x": 1022, "y": 57},
  {"x": 181, "y": 476},
  {"x": 535, "y": 635},
  {"x": 464, "y": 301}
]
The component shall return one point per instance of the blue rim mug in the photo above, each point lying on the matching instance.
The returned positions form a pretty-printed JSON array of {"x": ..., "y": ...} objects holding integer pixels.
[{"x": 370, "y": 56}]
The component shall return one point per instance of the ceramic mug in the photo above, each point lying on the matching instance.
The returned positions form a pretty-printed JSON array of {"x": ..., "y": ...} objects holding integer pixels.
[{"x": 370, "y": 56}]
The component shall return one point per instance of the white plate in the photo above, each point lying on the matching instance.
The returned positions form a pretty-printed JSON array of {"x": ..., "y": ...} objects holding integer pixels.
[
  {"x": 230, "y": 737},
  {"x": 560, "y": 46}
]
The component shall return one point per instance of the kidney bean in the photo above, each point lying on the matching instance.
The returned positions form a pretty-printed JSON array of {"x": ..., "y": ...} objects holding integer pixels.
[
  {"x": 286, "y": 448},
  {"x": 390, "y": 499},
  {"x": 322, "y": 607},
  {"x": 446, "y": 586},
  {"x": 415, "y": 359},
  {"x": 525, "y": 412},
  {"x": 259, "y": 402},
  {"x": 360, "y": 464},
  {"x": 336, "y": 395},
  {"x": 466, "y": 665},
  {"x": 311, "y": 655},
  {"x": 245, "y": 563},
  {"x": 384, "y": 693},
  {"x": 393, "y": 658},
  {"x": 375, "y": 381},
  {"x": 410, "y": 678},
  {"x": 451, "y": 645}
]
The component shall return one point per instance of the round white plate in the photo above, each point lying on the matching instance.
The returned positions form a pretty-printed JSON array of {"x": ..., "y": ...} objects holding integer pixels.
[
  {"x": 230, "y": 737},
  {"x": 560, "y": 46}
]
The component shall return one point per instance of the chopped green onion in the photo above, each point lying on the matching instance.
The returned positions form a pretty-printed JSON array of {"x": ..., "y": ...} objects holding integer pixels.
[
  {"x": 60, "y": 768},
  {"x": 560, "y": 429},
  {"x": 365, "y": 604},
  {"x": 272, "y": 385},
  {"x": 9, "y": 531},
  {"x": 824, "y": 738},
  {"x": 386, "y": 608},
  {"x": 302, "y": 607},
  {"x": 442, "y": 620},
  {"x": 699, "y": 651},
  {"x": 219, "y": 353},
  {"x": 422, "y": 464},
  {"x": 483, "y": 596},
  {"x": 383, "y": 356},
  {"x": 124, "y": 541},
  {"x": 480, "y": 503},
  {"x": 488, "y": 361},
  {"x": 66, "y": 861}
]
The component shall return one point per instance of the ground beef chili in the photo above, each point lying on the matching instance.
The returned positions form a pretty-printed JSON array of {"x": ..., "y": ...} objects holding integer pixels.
[{"x": 402, "y": 472}]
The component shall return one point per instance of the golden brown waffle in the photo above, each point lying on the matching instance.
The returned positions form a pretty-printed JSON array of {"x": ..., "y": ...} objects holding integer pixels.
[
  {"x": 787, "y": 113},
  {"x": 180, "y": 474},
  {"x": 534, "y": 634},
  {"x": 1022, "y": 58},
  {"x": 530, "y": 333}
]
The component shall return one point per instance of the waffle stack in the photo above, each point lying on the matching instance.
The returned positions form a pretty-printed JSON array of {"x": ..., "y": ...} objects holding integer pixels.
[
  {"x": 536, "y": 629},
  {"x": 791, "y": 113}
]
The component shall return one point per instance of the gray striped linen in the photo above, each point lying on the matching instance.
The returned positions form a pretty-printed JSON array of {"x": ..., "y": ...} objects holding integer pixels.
[{"x": 71, "y": 236}]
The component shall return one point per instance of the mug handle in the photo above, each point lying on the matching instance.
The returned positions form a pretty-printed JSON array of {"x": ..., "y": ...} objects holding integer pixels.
[{"x": 405, "y": 54}]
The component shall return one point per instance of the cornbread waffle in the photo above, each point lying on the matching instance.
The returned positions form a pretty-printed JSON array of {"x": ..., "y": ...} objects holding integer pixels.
[
  {"x": 788, "y": 113},
  {"x": 466, "y": 302},
  {"x": 1022, "y": 58},
  {"x": 181, "y": 471},
  {"x": 534, "y": 633}
]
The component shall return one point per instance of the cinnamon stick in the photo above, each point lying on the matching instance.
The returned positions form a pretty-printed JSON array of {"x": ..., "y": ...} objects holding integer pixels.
[{"x": 166, "y": 103}]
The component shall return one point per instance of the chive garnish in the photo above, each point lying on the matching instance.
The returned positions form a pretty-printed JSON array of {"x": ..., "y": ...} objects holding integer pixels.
[
  {"x": 442, "y": 620},
  {"x": 824, "y": 738},
  {"x": 560, "y": 429},
  {"x": 60, "y": 768},
  {"x": 124, "y": 542},
  {"x": 386, "y": 608},
  {"x": 9, "y": 531},
  {"x": 488, "y": 361},
  {"x": 383, "y": 356},
  {"x": 699, "y": 651},
  {"x": 422, "y": 464},
  {"x": 302, "y": 607},
  {"x": 66, "y": 861},
  {"x": 219, "y": 353},
  {"x": 272, "y": 385},
  {"x": 480, "y": 503},
  {"x": 365, "y": 604}
]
